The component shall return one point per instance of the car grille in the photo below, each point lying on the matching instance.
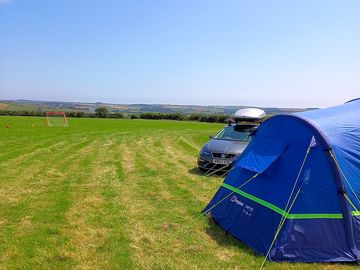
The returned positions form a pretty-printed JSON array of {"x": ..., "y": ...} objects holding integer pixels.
[
  {"x": 222, "y": 155},
  {"x": 213, "y": 167}
]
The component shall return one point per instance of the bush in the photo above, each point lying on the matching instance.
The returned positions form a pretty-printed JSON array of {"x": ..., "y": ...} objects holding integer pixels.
[
  {"x": 80, "y": 114},
  {"x": 175, "y": 116},
  {"x": 149, "y": 115},
  {"x": 194, "y": 117},
  {"x": 102, "y": 112},
  {"x": 116, "y": 115},
  {"x": 159, "y": 116}
]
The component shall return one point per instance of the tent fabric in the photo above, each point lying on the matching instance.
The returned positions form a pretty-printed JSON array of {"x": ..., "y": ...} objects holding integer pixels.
[
  {"x": 262, "y": 156},
  {"x": 324, "y": 223}
]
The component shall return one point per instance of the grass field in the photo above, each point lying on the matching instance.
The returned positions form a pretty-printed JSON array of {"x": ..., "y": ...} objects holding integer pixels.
[
  {"x": 18, "y": 107},
  {"x": 108, "y": 194}
]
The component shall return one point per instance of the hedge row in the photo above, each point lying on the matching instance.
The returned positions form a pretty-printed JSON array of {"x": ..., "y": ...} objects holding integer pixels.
[{"x": 211, "y": 118}]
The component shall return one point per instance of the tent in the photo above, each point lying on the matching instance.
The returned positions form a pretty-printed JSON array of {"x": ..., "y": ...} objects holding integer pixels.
[{"x": 293, "y": 195}]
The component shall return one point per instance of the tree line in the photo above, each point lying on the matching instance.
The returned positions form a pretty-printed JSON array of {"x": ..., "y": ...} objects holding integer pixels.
[{"x": 103, "y": 112}]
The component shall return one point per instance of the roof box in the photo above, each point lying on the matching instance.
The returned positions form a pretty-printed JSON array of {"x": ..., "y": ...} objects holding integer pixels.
[{"x": 249, "y": 114}]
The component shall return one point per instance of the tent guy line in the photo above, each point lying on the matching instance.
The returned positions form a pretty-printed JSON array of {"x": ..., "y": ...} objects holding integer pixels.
[{"x": 186, "y": 227}]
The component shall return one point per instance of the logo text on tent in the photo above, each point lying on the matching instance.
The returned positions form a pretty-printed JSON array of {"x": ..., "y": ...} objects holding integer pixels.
[{"x": 247, "y": 208}]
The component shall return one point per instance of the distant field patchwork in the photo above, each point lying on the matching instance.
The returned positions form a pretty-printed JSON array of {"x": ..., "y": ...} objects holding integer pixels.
[
  {"x": 18, "y": 107},
  {"x": 3, "y": 106},
  {"x": 112, "y": 194}
]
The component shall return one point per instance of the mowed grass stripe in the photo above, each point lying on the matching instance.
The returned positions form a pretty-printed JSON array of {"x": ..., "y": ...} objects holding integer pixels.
[
  {"x": 34, "y": 169},
  {"x": 187, "y": 164},
  {"x": 175, "y": 213},
  {"x": 188, "y": 145},
  {"x": 96, "y": 217},
  {"x": 174, "y": 210},
  {"x": 182, "y": 187},
  {"x": 43, "y": 212},
  {"x": 83, "y": 233},
  {"x": 146, "y": 200},
  {"x": 117, "y": 243},
  {"x": 133, "y": 206},
  {"x": 16, "y": 150},
  {"x": 70, "y": 229},
  {"x": 161, "y": 166},
  {"x": 33, "y": 144}
]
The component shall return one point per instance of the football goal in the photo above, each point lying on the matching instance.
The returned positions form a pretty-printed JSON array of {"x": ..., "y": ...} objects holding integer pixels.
[{"x": 56, "y": 119}]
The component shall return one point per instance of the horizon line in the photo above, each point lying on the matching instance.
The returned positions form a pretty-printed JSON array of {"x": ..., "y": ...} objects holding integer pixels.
[{"x": 173, "y": 104}]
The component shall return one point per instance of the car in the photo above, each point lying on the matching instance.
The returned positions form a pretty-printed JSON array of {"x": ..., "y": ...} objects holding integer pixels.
[{"x": 227, "y": 145}]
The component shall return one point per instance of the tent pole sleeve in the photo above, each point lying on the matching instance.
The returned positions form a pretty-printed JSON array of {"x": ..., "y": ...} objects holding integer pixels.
[{"x": 344, "y": 204}]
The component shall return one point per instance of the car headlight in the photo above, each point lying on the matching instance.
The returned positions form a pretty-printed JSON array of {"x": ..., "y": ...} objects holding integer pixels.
[{"x": 203, "y": 152}]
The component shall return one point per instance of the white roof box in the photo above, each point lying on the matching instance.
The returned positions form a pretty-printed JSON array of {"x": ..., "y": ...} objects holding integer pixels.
[{"x": 249, "y": 114}]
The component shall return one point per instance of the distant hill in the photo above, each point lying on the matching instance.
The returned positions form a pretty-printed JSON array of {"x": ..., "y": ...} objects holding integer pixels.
[{"x": 31, "y": 105}]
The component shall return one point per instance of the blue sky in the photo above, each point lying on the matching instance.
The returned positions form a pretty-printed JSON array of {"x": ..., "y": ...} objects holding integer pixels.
[{"x": 241, "y": 52}]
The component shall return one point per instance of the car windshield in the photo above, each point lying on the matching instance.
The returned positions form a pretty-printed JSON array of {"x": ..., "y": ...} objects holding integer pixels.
[{"x": 231, "y": 134}]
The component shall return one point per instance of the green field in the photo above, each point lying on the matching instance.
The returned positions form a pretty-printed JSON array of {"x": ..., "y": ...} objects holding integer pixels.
[
  {"x": 109, "y": 194},
  {"x": 19, "y": 107}
]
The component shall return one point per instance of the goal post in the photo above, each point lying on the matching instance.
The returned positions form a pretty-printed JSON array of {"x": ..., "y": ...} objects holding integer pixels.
[{"x": 56, "y": 119}]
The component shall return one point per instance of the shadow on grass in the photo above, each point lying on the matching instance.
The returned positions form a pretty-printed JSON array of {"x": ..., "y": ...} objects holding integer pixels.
[
  {"x": 197, "y": 171},
  {"x": 227, "y": 240}
]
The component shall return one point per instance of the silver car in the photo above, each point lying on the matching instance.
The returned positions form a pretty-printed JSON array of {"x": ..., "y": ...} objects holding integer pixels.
[{"x": 223, "y": 148}]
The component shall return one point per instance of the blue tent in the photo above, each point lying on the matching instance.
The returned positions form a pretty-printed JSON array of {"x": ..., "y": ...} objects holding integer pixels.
[{"x": 293, "y": 195}]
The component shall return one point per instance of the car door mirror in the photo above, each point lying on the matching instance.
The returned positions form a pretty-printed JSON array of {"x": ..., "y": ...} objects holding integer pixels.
[{"x": 211, "y": 136}]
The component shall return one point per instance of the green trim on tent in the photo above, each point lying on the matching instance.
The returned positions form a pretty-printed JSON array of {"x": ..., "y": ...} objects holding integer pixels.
[
  {"x": 303, "y": 216},
  {"x": 281, "y": 211},
  {"x": 255, "y": 199}
]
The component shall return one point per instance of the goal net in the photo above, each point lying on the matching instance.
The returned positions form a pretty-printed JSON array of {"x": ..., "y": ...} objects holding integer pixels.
[{"x": 56, "y": 119}]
